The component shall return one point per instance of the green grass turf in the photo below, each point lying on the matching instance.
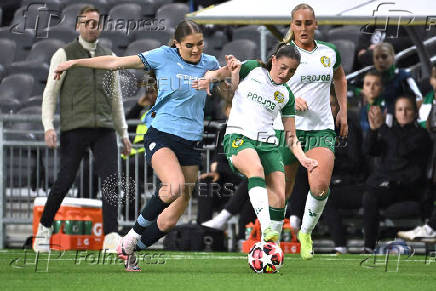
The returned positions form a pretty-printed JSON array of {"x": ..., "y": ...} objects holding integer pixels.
[{"x": 212, "y": 271}]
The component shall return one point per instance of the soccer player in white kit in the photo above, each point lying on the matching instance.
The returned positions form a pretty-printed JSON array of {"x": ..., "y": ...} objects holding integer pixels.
[
  {"x": 250, "y": 142},
  {"x": 320, "y": 65}
]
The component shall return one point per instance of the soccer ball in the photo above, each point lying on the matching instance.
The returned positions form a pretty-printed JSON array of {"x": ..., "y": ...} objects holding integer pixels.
[{"x": 265, "y": 257}]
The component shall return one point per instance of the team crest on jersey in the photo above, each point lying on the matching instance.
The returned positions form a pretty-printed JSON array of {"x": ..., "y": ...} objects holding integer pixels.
[
  {"x": 325, "y": 61},
  {"x": 279, "y": 97},
  {"x": 237, "y": 142}
]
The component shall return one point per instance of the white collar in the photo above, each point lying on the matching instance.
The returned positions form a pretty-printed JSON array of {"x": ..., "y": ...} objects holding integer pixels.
[{"x": 90, "y": 46}]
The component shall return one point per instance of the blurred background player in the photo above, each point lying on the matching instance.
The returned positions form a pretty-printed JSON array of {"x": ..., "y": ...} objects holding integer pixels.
[
  {"x": 88, "y": 116},
  {"x": 320, "y": 65}
]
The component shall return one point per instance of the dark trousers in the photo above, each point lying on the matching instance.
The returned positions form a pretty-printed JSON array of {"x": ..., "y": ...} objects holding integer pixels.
[
  {"x": 341, "y": 197},
  {"x": 376, "y": 198},
  {"x": 74, "y": 145}
]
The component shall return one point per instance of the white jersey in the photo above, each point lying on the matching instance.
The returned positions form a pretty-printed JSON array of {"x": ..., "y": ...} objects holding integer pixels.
[
  {"x": 257, "y": 102},
  {"x": 311, "y": 82}
]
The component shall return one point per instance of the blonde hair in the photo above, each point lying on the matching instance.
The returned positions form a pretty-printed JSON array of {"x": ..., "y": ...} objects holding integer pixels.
[{"x": 290, "y": 34}]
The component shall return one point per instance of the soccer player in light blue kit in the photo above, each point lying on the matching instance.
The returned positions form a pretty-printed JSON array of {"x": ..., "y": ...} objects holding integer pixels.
[{"x": 175, "y": 126}]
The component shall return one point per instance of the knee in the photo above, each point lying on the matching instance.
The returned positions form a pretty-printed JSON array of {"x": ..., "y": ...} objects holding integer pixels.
[{"x": 321, "y": 188}]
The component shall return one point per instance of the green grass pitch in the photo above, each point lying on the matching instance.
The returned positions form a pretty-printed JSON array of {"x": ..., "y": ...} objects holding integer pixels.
[{"x": 162, "y": 270}]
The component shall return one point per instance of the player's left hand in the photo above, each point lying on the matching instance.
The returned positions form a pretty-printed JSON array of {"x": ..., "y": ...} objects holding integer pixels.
[
  {"x": 341, "y": 122},
  {"x": 202, "y": 84},
  {"x": 127, "y": 146}
]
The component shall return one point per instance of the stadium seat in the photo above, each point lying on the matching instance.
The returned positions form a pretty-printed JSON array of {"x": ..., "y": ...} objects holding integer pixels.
[
  {"x": 51, "y": 4},
  {"x": 23, "y": 40},
  {"x": 65, "y": 36},
  {"x": 8, "y": 48},
  {"x": 346, "y": 49},
  {"x": 251, "y": 32},
  {"x": 2, "y": 72},
  {"x": 148, "y": 7},
  {"x": 102, "y": 5},
  {"x": 141, "y": 45},
  {"x": 32, "y": 101},
  {"x": 38, "y": 60},
  {"x": 243, "y": 49},
  {"x": 119, "y": 40},
  {"x": 27, "y": 130},
  {"x": 163, "y": 36},
  {"x": 37, "y": 16},
  {"x": 8, "y": 105},
  {"x": 172, "y": 13},
  {"x": 17, "y": 86},
  {"x": 350, "y": 33},
  {"x": 124, "y": 12}
]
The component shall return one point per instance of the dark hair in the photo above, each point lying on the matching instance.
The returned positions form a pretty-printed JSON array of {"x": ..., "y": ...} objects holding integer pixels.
[
  {"x": 183, "y": 29},
  {"x": 283, "y": 50},
  {"x": 87, "y": 9}
]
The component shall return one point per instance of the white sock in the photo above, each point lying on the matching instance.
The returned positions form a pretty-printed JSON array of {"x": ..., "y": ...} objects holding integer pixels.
[
  {"x": 259, "y": 200},
  {"x": 295, "y": 222},
  {"x": 277, "y": 225},
  {"x": 312, "y": 212},
  {"x": 134, "y": 234}
]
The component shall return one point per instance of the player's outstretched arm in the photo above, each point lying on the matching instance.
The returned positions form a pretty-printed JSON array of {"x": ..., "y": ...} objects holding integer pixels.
[{"x": 102, "y": 62}]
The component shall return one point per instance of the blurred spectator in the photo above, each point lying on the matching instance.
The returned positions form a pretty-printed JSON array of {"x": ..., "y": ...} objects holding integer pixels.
[
  {"x": 428, "y": 100},
  {"x": 371, "y": 36},
  {"x": 348, "y": 179},
  {"x": 396, "y": 82},
  {"x": 404, "y": 150},
  {"x": 372, "y": 89}
]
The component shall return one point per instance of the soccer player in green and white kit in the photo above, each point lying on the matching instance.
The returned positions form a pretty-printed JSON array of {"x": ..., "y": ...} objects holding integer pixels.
[
  {"x": 320, "y": 65},
  {"x": 250, "y": 142}
]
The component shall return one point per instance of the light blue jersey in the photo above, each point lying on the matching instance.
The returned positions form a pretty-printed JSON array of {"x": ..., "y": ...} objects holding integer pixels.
[{"x": 179, "y": 107}]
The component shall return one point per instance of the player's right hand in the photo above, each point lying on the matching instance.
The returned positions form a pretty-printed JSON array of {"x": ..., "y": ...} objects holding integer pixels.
[
  {"x": 50, "y": 138},
  {"x": 301, "y": 104},
  {"x": 309, "y": 164},
  {"x": 63, "y": 67}
]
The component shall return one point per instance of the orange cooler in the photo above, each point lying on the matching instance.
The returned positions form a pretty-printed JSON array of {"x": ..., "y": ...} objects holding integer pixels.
[
  {"x": 78, "y": 224},
  {"x": 290, "y": 246}
]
